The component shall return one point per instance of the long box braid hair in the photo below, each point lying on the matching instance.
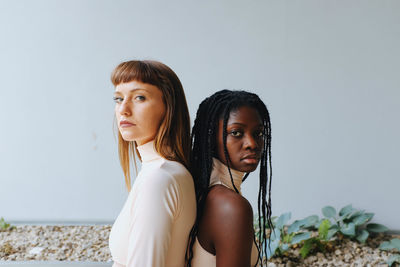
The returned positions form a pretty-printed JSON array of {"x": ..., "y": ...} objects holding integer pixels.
[{"x": 211, "y": 110}]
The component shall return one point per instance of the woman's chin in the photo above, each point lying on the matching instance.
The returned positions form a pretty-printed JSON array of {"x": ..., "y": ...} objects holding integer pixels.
[
  {"x": 128, "y": 137},
  {"x": 247, "y": 167}
]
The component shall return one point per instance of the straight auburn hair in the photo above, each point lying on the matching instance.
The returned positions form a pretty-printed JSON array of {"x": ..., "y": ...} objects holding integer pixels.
[{"x": 172, "y": 140}]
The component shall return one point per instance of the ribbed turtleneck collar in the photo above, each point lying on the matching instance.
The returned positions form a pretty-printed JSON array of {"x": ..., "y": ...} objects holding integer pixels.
[
  {"x": 220, "y": 175},
  {"x": 148, "y": 152}
]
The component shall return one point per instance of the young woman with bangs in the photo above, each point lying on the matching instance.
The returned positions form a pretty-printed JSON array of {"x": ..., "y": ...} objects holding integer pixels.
[{"x": 153, "y": 226}]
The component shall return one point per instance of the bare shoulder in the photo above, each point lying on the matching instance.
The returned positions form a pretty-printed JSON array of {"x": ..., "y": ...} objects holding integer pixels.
[
  {"x": 224, "y": 202},
  {"x": 228, "y": 211},
  {"x": 228, "y": 220}
]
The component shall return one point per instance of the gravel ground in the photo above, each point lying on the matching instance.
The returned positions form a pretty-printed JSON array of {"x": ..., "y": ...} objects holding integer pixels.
[
  {"x": 90, "y": 243},
  {"x": 55, "y": 243},
  {"x": 340, "y": 252}
]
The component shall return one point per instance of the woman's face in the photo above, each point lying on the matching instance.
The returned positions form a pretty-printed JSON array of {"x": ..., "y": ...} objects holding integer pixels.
[
  {"x": 244, "y": 139},
  {"x": 139, "y": 109}
]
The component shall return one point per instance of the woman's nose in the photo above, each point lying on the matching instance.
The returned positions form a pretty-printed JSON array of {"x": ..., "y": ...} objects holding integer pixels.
[
  {"x": 125, "y": 109},
  {"x": 250, "y": 142}
]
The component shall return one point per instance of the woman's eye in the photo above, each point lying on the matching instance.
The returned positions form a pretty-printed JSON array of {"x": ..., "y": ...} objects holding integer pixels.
[
  {"x": 260, "y": 134},
  {"x": 117, "y": 99},
  {"x": 236, "y": 133},
  {"x": 140, "y": 98}
]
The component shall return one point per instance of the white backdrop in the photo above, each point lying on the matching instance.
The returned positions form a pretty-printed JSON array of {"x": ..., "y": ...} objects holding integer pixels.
[{"x": 327, "y": 70}]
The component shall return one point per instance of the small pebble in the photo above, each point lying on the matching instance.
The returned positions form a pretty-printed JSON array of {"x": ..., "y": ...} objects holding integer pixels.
[{"x": 36, "y": 250}]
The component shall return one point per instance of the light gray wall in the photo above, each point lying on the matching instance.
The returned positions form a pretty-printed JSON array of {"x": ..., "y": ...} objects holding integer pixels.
[{"x": 327, "y": 70}]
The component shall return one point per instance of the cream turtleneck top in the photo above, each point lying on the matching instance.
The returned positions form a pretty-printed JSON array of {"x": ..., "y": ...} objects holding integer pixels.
[
  {"x": 220, "y": 175},
  {"x": 153, "y": 227}
]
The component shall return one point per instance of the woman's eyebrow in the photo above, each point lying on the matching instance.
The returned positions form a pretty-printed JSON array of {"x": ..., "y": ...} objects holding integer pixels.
[
  {"x": 238, "y": 123},
  {"x": 137, "y": 89},
  {"x": 243, "y": 124},
  {"x": 131, "y": 91}
]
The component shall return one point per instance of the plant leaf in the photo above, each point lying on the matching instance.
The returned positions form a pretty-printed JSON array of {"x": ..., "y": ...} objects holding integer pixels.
[
  {"x": 311, "y": 221},
  {"x": 376, "y": 228},
  {"x": 283, "y": 219},
  {"x": 271, "y": 248},
  {"x": 346, "y": 210},
  {"x": 295, "y": 226},
  {"x": 284, "y": 247},
  {"x": 334, "y": 226},
  {"x": 396, "y": 243},
  {"x": 348, "y": 229},
  {"x": 392, "y": 244},
  {"x": 317, "y": 225},
  {"x": 3, "y": 224},
  {"x": 386, "y": 246},
  {"x": 300, "y": 237},
  {"x": 329, "y": 212},
  {"x": 286, "y": 238},
  {"x": 393, "y": 259},
  {"x": 363, "y": 218},
  {"x": 362, "y": 236},
  {"x": 306, "y": 248},
  {"x": 356, "y": 214},
  {"x": 331, "y": 233},
  {"x": 275, "y": 235},
  {"x": 323, "y": 229}
]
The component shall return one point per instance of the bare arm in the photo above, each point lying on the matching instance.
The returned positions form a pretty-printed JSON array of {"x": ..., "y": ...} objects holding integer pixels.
[{"x": 230, "y": 221}]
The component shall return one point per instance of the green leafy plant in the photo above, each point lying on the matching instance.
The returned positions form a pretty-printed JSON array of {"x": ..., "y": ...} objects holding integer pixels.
[
  {"x": 348, "y": 222},
  {"x": 317, "y": 243},
  {"x": 393, "y": 244},
  {"x": 351, "y": 223},
  {"x": 280, "y": 238},
  {"x": 4, "y": 225}
]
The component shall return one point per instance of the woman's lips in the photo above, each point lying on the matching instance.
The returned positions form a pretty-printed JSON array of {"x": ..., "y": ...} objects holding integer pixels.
[
  {"x": 251, "y": 159},
  {"x": 125, "y": 124}
]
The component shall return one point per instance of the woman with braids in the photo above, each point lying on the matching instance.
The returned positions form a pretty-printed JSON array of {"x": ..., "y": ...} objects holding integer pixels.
[
  {"x": 230, "y": 136},
  {"x": 153, "y": 227}
]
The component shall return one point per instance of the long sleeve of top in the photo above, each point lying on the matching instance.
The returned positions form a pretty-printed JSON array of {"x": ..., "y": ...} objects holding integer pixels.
[{"x": 153, "y": 227}]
